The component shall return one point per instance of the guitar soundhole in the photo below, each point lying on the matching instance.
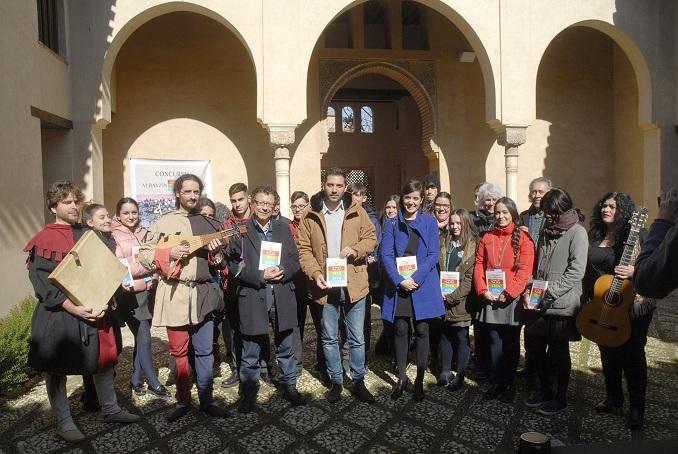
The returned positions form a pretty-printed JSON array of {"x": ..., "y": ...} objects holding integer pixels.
[{"x": 613, "y": 299}]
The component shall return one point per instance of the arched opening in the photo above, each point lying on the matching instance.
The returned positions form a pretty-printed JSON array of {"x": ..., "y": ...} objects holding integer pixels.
[
  {"x": 391, "y": 153},
  {"x": 185, "y": 89},
  {"x": 588, "y": 113},
  {"x": 442, "y": 95}
]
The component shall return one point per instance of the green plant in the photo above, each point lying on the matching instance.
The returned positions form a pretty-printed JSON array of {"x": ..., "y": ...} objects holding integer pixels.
[{"x": 15, "y": 331}]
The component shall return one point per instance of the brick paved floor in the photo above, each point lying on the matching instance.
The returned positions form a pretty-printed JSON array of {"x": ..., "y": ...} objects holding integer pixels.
[{"x": 444, "y": 422}]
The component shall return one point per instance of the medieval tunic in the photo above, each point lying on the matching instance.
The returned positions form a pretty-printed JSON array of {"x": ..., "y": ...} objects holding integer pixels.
[
  {"x": 182, "y": 297},
  {"x": 61, "y": 343}
]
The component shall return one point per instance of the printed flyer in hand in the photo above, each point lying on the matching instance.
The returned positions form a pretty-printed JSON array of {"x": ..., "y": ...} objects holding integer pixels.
[
  {"x": 406, "y": 265},
  {"x": 337, "y": 275},
  {"x": 270, "y": 254},
  {"x": 449, "y": 281},
  {"x": 496, "y": 281},
  {"x": 537, "y": 293}
]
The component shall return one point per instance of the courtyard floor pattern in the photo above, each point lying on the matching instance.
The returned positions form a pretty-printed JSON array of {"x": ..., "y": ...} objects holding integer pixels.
[{"x": 451, "y": 422}]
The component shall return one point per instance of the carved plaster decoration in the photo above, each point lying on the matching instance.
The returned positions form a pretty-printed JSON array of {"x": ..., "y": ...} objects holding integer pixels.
[
  {"x": 511, "y": 136},
  {"x": 281, "y": 135}
]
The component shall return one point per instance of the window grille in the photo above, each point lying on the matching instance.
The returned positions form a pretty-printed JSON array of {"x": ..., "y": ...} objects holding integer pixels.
[
  {"x": 347, "y": 119},
  {"x": 357, "y": 175},
  {"x": 48, "y": 21},
  {"x": 366, "y": 120}
]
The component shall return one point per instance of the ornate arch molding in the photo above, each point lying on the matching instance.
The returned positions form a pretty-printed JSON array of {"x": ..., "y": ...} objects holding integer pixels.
[{"x": 334, "y": 74}]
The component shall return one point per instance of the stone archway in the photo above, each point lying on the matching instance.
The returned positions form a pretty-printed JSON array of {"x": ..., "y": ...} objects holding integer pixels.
[
  {"x": 336, "y": 73},
  {"x": 645, "y": 153}
]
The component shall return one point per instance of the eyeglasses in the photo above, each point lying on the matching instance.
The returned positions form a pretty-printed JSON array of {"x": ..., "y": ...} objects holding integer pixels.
[
  {"x": 298, "y": 207},
  {"x": 188, "y": 192},
  {"x": 262, "y": 204},
  {"x": 442, "y": 207}
]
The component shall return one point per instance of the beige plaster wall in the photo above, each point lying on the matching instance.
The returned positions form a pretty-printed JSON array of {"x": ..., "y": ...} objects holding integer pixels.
[
  {"x": 56, "y": 158},
  {"x": 31, "y": 75},
  {"x": 628, "y": 137},
  {"x": 464, "y": 137},
  {"x": 186, "y": 90},
  {"x": 572, "y": 142}
]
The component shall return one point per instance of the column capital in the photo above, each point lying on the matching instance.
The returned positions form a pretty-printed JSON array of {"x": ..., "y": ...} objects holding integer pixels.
[
  {"x": 281, "y": 135},
  {"x": 511, "y": 136}
]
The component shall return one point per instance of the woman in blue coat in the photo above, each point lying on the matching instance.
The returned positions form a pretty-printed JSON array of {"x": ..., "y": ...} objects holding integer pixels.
[{"x": 418, "y": 297}]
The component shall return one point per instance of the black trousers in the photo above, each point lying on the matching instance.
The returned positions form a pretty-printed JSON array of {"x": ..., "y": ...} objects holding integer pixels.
[
  {"x": 547, "y": 353},
  {"x": 504, "y": 343},
  {"x": 482, "y": 359},
  {"x": 630, "y": 359}
]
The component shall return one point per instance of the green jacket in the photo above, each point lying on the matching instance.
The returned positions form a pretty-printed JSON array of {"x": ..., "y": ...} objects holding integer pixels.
[{"x": 458, "y": 304}]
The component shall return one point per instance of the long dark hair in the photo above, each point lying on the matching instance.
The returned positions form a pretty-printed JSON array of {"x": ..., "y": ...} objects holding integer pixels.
[
  {"x": 468, "y": 228},
  {"x": 598, "y": 229},
  {"x": 515, "y": 236},
  {"x": 124, "y": 200}
]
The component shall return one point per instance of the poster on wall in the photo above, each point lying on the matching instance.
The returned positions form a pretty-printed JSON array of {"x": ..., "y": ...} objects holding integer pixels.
[{"x": 152, "y": 182}]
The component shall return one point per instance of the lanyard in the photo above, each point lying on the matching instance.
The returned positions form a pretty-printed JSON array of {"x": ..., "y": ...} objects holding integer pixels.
[{"x": 502, "y": 248}]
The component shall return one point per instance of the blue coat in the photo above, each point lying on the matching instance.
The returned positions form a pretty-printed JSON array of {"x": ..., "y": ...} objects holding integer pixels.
[{"x": 427, "y": 299}]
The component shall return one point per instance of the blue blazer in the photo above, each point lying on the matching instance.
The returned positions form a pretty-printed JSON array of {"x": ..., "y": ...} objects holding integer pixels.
[{"x": 427, "y": 299}]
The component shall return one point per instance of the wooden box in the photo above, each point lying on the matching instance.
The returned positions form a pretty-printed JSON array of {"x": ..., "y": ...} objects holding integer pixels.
[{"x": 90, "y": 273}]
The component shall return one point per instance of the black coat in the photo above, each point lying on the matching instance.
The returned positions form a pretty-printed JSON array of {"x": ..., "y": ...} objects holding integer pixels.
[
  {"x": 60, "y": 343},
  {"x": 250, "y": 284}
]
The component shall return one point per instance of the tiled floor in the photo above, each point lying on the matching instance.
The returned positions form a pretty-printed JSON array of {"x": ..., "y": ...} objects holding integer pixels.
[{"x": 444, "y": 422}]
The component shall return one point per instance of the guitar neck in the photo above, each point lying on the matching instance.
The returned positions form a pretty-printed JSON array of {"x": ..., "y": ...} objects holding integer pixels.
[{"x": 628, "y": 258}]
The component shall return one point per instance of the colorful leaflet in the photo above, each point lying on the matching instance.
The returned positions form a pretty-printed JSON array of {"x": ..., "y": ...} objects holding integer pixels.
[
  {"x": 337, "y": 275},
  {"x": 270, "y": 254},
  {"x": 449, "y": 281},
  {"x": 537, "y": 293},
  {"x": 406, "y": 266},
  {"x": 496, "y": 281}
]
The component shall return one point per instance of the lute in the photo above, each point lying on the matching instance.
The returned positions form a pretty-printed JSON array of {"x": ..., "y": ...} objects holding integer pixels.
[
  {"x": 198, "y": 241},
  {"x": 605, "y": 320}
]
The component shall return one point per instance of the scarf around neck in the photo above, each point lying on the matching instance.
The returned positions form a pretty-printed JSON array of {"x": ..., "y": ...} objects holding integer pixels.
[{"x": 565, "y": 222}]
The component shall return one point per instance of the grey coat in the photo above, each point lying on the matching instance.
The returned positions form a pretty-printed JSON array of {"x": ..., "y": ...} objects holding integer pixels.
[{"x": 564, "y": 272}]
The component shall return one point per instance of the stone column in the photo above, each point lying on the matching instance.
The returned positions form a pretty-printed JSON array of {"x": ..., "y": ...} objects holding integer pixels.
[
  {"x": 511, "y": 137},
  {"x": 281, "y": 137}
]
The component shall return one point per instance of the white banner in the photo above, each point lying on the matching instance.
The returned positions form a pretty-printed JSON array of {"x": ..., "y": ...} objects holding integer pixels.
[{"x": 152, "y": 184}]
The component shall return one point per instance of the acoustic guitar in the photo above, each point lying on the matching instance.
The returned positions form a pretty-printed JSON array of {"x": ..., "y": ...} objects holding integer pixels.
[
  {"x": 605, "y": 320},
  {"x": 198, "y": 241}
]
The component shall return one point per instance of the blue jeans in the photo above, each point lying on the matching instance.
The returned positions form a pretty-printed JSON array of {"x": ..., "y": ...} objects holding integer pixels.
[{"x": 353, "y": 315}]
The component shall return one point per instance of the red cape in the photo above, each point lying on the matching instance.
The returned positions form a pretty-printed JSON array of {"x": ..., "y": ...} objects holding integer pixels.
[{"x": 51, "y": 243}]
